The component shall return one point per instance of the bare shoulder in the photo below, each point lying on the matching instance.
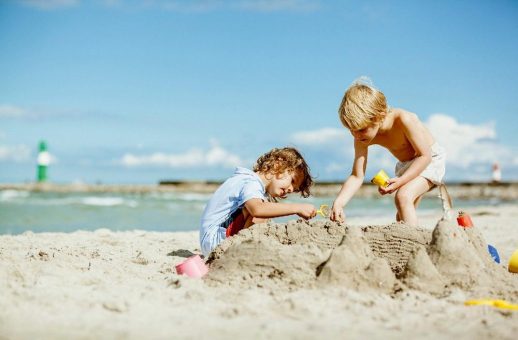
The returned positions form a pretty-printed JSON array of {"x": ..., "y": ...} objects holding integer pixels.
[
  {"x": 412, "y": 126},
  {"x": 405, "y": 117}
]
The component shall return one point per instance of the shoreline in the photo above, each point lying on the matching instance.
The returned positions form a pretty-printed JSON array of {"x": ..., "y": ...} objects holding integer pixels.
[{"x": 506, "y": 191}]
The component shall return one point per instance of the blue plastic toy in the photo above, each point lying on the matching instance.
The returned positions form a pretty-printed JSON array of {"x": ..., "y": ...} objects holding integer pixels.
[{"x": 494, "y": 253}]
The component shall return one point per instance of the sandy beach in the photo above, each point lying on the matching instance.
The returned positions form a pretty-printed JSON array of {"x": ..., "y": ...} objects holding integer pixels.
[{"x": 366, "y": 279}]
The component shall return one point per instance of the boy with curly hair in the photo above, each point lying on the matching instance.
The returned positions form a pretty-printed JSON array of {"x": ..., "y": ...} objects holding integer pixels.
[
  {"x": 365, "y": 113},
  {"x": 250, "y": 197}
]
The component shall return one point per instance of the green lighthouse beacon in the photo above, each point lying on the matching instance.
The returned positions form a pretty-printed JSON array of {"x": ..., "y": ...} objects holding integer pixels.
[{"x": 43, "y": 161}]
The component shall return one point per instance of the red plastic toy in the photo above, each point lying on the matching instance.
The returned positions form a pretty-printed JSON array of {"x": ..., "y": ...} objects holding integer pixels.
[{"x": 464, "y": 220}]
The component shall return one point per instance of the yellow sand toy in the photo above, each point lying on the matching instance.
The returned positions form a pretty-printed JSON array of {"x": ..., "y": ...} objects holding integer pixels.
[
  {"x": 493, "y": 303},
  {"x": 381, "y": 179},
  {"x": 324, "y": 210}
]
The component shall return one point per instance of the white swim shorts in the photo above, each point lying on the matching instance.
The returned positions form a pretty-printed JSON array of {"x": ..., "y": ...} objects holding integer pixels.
[{"x": 435, "y": 171}]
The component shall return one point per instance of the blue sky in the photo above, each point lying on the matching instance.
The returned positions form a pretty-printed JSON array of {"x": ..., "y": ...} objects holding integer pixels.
[{"x": 139, "y": 91}]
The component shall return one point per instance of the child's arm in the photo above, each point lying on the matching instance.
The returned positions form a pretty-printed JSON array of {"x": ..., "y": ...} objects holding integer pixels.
[
  {"x": 261, "y": 209},
  {"x": 412, "y": 128},
  {"x": 353, "y": 182}
]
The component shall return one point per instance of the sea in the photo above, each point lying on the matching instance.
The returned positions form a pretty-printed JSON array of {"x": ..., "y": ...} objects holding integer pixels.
[{"x": 22, "y": 211}]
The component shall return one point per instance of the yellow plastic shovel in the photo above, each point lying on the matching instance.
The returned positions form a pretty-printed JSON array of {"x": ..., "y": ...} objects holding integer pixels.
[
  {"x": 493, "y": 303},
  {"x": 324, "y": 210}
]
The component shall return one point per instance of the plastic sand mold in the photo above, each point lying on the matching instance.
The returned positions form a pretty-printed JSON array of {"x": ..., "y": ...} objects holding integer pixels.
[
  {"x": 381, "y": 179},
  {"x": 493, "y": 303},
  {"x": 464, "y": 220},
  {"x": 192, "y": 267},
  {"x": 324, "y": 210},
  {"x": 513, "y": 262},
  {"x": 494, "y": 253}
]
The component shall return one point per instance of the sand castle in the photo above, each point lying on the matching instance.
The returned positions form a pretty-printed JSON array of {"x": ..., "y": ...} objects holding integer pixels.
[{"x": 390, "y": 259}]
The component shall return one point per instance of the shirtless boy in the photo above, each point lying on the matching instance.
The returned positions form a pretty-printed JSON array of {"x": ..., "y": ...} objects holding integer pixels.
[{"x": 365, "y": 113}]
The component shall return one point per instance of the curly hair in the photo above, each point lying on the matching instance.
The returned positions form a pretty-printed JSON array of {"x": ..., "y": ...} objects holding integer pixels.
[{"x": 277, "y": 161}]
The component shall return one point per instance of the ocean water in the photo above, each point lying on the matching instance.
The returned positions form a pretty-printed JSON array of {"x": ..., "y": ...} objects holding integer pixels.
[{"x": 22, "y": 211}]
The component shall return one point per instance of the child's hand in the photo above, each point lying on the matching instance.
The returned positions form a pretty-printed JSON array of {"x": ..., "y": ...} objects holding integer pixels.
[
  {"x": 307, "y": 211},
  {"x": 394, "y": 184},
  {"x": 337, "y": 213}
]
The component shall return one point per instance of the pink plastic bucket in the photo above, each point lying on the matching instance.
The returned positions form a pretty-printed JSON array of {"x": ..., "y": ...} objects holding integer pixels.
[{"x": 192, "y": 267}]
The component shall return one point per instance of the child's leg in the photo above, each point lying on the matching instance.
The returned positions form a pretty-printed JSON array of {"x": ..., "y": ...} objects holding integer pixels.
[
  {"x": 407, "y": 198},
  {"x": 416, "y": 204},
  {"x": 250, "y": 220}
]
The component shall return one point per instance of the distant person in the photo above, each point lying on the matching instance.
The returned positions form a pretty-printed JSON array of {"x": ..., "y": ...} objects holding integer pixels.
[
  {"x": 250, "y": 197},
  {"x": 365, "y": 113},
  {"x": 497, "y": 173}
]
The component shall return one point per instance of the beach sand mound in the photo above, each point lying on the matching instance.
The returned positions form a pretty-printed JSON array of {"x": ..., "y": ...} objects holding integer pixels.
[{"x": 388, "y": 258}]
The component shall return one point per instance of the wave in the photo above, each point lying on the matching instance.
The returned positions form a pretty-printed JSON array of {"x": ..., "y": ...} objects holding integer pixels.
[
  {"x": 107, "y": 201},
  {"x": 98, "y": 201},
  {"x": 10, "y": 195},
  {"x": 194, "y": 197},
  {"x": 175, "y": 196}
]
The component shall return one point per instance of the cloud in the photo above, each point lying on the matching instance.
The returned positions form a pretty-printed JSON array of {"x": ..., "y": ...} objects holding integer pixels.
[
  {"x": 277, "y": 5},
  {"x": 320, "y": 137},
  {"x": 212, "y": 5},
  {"x": 8, "y": 111},
  {"x": 15, "y": 153},
  {"x": 469, "y": 144},
  {"x": 214, "y": 157},
  {"x": 49, "y": 4},
  {"x": 11, "y": 111},
  {"x": 187, "y": 5}
]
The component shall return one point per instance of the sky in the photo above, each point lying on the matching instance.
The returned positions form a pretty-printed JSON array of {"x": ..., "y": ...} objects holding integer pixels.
[{"x": 138, "y": 91}]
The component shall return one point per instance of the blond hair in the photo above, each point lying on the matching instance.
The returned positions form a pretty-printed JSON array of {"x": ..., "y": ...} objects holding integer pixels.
[
  {"x": 277, "y": 161},
  {"x": 362, "y": 105}
]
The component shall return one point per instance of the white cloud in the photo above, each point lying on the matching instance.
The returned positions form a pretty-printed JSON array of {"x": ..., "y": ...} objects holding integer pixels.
[
  {"x": 210, "y": 5},
  {"x": 15, "y": 153},
  {"x": 219, "y": 156},
  {"x": 215, "y": 156},
  {"x": 278, "y": 5},
  {"x": 17, "y": 112},
  {"x": 49, "y": 4},
  {"x": 8, "y": 111},
  {"x": 320, "y": 137},
  {"x": 185, "y": 6},
  {"x": 468, "y": 144},
  {"x": 11, "y": 111}
]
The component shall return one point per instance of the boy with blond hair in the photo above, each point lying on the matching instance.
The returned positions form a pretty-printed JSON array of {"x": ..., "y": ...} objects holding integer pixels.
[
  {"x": 250, "y": 196},
  {"x": 365, "y": 113}
]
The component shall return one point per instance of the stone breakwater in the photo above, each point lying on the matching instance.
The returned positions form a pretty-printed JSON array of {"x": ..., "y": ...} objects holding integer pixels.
[{"x": 502, "y": 191}]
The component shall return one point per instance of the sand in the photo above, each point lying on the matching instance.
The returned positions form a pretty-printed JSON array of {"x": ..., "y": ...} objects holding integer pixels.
[{"x": 369, "y": 278}]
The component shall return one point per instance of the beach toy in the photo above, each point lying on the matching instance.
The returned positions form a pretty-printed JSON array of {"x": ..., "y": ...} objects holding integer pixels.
[
  {"x": 324, "y": 210},
  {"x": 493, "y": 303},
  {"x": 494, "y": 253},
  {"x": 381, "y": 179},
  {"x": 192, "y": 267},
  {"x": 513, "y": 262},
  {"x": 464, "y": 220}
]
